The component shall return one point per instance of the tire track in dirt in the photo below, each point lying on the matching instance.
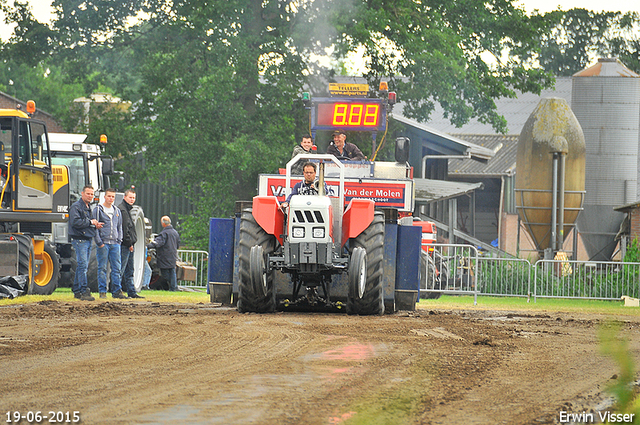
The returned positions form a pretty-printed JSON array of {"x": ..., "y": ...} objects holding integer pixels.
[{"x": 135, "y": 363}]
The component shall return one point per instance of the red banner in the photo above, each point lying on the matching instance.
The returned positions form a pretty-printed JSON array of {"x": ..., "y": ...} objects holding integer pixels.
[{"x": 385, "y": 193}]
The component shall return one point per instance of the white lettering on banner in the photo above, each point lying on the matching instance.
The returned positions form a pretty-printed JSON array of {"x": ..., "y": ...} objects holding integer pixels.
[
  {"x": 277, "y": 191},
  {"x": 388, "y": 193}
]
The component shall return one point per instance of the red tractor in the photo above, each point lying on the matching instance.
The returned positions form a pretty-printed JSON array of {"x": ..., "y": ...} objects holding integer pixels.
[{"x": 311, "y": 243}]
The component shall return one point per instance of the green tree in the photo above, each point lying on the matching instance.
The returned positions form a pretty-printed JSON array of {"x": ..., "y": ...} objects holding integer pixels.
[
  {"x": 579, "y": 36},
  {"x": 215, "y": 84},
  {"x": 436, "y": 52}
]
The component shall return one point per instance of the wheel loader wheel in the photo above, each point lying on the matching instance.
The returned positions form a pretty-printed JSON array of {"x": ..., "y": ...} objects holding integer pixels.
[
  {"x": 26, "y": 259},
  {"x": 371, "y": 240},
  {"x": 68, "y": 276},
  {"x": 92, "y": 269},
  {"x": 46, "y": 281},
  {"x": 255, "y": 289}
]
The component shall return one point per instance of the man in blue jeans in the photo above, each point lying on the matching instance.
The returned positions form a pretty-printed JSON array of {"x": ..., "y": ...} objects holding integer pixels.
[
  {"x": 82, "y": 229},
  {"x": 166, "y": 245},
  {"x": 108, "y": 240}
]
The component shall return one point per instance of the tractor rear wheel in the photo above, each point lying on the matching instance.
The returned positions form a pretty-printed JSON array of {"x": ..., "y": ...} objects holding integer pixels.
[
  {"x": 367, "y": 266},
  {"x": 139, "y": 253},
  {"x": 256, "y": 292},
  {"x": 46, "y": 281}
]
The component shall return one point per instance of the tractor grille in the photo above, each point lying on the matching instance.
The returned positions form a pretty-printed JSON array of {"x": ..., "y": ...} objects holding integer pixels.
[
  {"x": 308, "y": 217},
  {"x": 35, "y": 228}
]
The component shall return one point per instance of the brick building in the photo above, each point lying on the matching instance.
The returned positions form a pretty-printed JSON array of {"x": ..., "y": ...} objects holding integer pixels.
[{"x": 10, "y": 102}]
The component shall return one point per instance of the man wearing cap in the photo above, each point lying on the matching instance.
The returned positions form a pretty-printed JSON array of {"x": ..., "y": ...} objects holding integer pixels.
[{"x": 340, "y": 148}]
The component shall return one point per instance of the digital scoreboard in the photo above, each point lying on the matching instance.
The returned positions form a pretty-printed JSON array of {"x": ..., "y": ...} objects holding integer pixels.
[{"x": 358, "y": 114}]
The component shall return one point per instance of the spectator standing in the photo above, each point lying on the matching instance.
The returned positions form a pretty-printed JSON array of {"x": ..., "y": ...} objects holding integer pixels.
[
  {"x": 108, "y": 240},
  {"x": 129, "y": 239},
  {"x": 306, "y": 146},
  {"x": 82, "y": 229},
  {"x": 166, "y": 245}
]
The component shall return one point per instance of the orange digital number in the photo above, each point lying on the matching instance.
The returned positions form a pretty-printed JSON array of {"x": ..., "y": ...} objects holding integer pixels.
[
  {"x": 355, "y": 114},
  {"x": 340, "y": 113},
  {"x": 371, "y": 116}
]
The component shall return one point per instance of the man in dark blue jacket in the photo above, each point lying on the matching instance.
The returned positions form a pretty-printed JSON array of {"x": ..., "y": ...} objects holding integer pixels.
[
  {"x": 166, "y": 245},
  {"x": 82, "y": 229}
]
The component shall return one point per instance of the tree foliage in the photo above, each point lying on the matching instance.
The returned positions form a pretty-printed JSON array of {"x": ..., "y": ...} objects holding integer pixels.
[
  {"x": 214, "y": 85},
  {"x": 436, "y": 52},
  {"x": 579, "y": 36}
]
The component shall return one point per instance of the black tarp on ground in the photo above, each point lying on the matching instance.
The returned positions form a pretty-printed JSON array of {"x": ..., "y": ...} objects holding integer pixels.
[{"x": 13, "y": 286}]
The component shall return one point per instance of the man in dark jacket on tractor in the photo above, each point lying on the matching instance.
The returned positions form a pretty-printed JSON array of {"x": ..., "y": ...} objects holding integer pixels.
[
  {"x": 129, "y": 239},
  {"x": 166, "y": 245}
]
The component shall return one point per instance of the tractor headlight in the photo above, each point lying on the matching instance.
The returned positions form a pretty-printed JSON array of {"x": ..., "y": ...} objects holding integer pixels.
[
  {"x": 318, "y": 232},
  {"x": 298, "y": 232}
]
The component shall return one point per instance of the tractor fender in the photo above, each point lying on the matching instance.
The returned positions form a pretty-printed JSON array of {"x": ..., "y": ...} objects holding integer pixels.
[
  {"x": 266, "y": 210},
  {"x": 356, "y": 218}
]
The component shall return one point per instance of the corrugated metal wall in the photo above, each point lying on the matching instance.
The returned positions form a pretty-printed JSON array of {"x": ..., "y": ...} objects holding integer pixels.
[
  {"x": 606, "y": 101},
  {"x": 151, "y": 197}
]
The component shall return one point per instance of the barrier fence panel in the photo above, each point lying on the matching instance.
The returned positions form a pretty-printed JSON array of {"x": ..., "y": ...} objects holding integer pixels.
[
  {"x": 592, "y": 279},
  {"x": 198, "y": 259},
  {"x": 448, "y": 269},
  {"x": 504, "y": 276},
  {"x": 457, "y": 269}
]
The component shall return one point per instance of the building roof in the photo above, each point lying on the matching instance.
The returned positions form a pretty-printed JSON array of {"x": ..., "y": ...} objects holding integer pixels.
[
  {"x": 428, "y": 190},
  {"x": 444, "y": 143},
  {"x": 628, "y": 208},
  {"x": 503, "y": 163},
  {"x": 516, "y": 111}
]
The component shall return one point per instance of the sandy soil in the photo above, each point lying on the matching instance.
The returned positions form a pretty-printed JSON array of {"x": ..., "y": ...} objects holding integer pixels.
[{"x": 143, "y": 363}]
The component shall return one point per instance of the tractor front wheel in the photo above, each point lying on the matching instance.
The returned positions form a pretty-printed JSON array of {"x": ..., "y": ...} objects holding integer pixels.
[{"x": 256, "y": 292}]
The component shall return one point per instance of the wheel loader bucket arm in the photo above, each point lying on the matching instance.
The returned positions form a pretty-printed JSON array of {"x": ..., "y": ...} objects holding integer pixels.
[
  {"x": 356, "y": 218},
  {"x": 268, "y": 215}
]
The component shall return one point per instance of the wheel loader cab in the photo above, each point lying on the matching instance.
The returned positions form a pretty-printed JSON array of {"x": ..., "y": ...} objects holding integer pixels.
[{"x": 26, "y": 151}]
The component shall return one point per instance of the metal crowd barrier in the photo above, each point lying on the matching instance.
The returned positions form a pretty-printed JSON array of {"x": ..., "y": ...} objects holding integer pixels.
[
  {"x": 449, "y": 269},
  {"x": 505, "y": 277},
  {"x": 600, "y": 280},
  {"x": 457, "y": 269},
  {"x": 200, "y": 260}
]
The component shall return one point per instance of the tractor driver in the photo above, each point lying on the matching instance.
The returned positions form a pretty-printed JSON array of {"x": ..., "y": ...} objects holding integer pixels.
[{"x": 308, "y": 186}]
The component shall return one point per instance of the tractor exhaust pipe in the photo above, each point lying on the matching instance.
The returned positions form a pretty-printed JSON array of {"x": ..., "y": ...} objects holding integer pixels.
[{"x": 321, "y": 179}]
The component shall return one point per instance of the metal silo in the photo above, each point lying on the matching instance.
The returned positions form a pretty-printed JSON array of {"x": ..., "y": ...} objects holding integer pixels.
[
  {"x": 550, "y": 179},
  {"x": 606, "y": 100}
]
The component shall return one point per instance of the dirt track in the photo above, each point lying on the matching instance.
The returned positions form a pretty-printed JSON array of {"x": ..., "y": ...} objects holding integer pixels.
[{"x": 142, "y": 362}]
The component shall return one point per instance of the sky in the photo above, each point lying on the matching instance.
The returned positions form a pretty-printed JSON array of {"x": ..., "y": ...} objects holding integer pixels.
[{"x": 42, "y": 8}]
